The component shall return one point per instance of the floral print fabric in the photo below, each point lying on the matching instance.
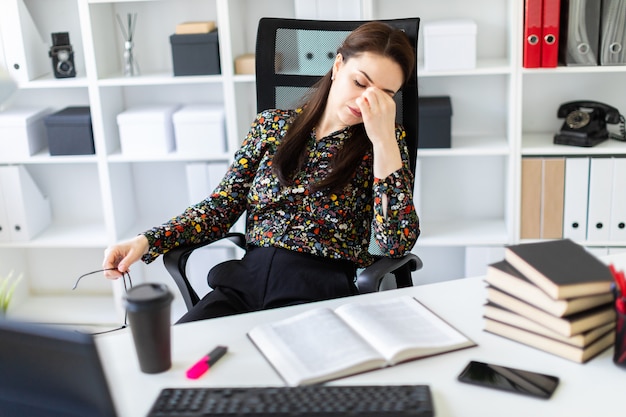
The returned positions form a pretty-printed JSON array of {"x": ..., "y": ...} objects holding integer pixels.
[{"x": 332, "y": 225}]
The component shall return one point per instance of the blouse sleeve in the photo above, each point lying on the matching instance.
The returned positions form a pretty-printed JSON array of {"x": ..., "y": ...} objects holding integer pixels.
[
  {"x": 396, "y": 232},
  {"x": 211, "y": 219}
]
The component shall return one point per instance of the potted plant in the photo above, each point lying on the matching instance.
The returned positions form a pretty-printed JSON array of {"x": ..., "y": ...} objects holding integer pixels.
[{"x": 7, "y": 287}]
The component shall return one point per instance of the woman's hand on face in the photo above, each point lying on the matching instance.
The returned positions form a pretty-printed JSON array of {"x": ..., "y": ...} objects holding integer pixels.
[
  {"x": 378, "y": 111},
  {"x": 118, "y": 258}
]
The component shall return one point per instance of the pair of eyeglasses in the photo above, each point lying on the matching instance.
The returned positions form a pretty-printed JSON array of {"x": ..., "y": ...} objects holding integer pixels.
[{"x": 128, "y": 284}]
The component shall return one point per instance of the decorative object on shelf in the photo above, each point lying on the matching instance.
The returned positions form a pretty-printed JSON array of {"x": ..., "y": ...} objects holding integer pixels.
[
  {"x": 7, "y": 288},
  {"x": 62, "y": 55},
  {"x": 190, "y": 28},
  {"x": 147, "y": 130},
  {"x": 70, "y": 131},
  {"x": 245, "y": 64},
  {"x": 450, "y": 45},
  {"x": 435, "y": 115},
  {"x": 195, "y": 54},
  {"x": 585, "y": 123},
  {"x": 199, "y": 130},
  {"x": 131, "y": 67}
]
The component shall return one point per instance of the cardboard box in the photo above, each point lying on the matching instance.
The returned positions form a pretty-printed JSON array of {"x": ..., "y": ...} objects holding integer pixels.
[
  {"x": 245, "y": 64},
  {"x": 22, "y": 132},
  {"x": 195, "y": 54},
  {"x": 435, "y": 122},
  {"x": 147, "y": 130},
  {"x": 69, "y": 131},
  {"x": 187, "y": 28},
  {"x": 199, "y": 130},
  {"x": 449, "y": 45}
]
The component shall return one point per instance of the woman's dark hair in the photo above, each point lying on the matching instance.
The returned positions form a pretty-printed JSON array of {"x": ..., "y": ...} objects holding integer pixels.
[{"x": 375, "y": 37}]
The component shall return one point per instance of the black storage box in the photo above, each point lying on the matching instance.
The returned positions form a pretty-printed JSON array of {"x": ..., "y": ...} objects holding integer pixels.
[
  {"x": 195, "y": 54},
  {"x": 69, "y": 132},
  {"x": 435, "y": 114}
]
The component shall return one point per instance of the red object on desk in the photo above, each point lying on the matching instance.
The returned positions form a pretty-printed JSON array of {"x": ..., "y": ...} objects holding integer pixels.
[{"x": 620, "y": 280}]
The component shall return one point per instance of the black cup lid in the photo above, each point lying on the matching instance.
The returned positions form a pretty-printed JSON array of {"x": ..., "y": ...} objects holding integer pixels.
[{"x": 148, "y": 295}]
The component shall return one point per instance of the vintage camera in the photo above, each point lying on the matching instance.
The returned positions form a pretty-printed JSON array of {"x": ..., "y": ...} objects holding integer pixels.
[{"x": 62, "y": 56}]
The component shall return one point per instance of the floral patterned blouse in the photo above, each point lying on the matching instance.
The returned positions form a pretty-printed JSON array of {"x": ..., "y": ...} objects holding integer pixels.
[{"x": 316, "y": 222}]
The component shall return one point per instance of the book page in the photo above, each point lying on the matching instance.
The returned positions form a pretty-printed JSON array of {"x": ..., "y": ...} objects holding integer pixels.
[
  {"x": 313, "y": 345},
  {"x": 402, "y": 324}
]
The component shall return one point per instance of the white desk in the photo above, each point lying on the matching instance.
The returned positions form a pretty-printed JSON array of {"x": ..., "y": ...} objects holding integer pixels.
[{"x": 592, "y": 389}]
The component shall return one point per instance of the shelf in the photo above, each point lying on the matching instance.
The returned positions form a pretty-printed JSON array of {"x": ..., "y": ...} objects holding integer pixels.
[
  {"x": 82, "y": 313},
  {"x": 464, "y": 232},
  {"x": 118, "y": 1},
  {"x": 77, "y": 310},
  {"x": 592, "y": 243},
  {"x": 542, "y": 144},
  {"x": 244, "y": 78},
  {"x": 575, "y": 70},
  {"x": 483, "y": 67},
  {"x": 469, "y": 146},
  {"x": 44, "y": 157},
  {"x": 70, "y": 236},
  {"x": 118, "y": 157},
  {"x": 157, "y": 79},
  {"x": 49, "y": 81}
]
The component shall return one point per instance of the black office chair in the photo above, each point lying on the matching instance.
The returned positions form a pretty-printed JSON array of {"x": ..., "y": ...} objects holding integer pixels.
[{"x": 291, "y": 55}]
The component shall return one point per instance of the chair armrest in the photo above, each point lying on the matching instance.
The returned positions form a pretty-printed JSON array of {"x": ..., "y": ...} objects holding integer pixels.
[
  {"x": 175, "y": 262},
  {"x": 370, "y": 278}
]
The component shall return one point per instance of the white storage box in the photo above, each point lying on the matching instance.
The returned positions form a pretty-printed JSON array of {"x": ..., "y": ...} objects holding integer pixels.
[
  {"x": 147, "y": 130},
  {"x": 199, "y": 130},
  {"x": 22, "y": 132},
  {"x": 449, "y": 45}
]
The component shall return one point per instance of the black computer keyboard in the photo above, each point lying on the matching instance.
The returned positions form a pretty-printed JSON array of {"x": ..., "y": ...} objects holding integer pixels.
[{"x": 303, "y": 401}]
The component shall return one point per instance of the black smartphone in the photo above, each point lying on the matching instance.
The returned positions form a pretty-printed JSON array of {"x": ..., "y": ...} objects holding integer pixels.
[{"x": 509, "y": 379}]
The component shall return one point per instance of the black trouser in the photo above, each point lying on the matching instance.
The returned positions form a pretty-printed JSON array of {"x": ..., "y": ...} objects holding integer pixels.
[{"x": 272, "y": 277}]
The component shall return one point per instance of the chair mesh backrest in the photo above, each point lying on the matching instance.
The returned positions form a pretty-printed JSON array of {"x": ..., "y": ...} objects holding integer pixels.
[{"x": 293, "y": 54}]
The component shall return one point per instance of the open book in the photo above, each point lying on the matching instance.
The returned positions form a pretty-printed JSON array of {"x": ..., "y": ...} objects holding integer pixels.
[{"x": 323, "y": 344}]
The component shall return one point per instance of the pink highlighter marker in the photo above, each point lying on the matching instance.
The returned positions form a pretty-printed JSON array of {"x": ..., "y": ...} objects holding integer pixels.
[{"x": 203, "y": 365}]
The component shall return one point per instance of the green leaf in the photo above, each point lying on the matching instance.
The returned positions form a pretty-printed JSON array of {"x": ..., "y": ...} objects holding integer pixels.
[{"x": 6, "y": 291}]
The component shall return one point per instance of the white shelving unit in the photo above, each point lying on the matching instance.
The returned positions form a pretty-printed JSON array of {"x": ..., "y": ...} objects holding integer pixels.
[{"x": 468, "y": 195}]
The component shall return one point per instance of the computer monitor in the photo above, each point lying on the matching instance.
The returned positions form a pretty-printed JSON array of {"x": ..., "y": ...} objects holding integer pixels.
[{"x": 49, "y": 371}]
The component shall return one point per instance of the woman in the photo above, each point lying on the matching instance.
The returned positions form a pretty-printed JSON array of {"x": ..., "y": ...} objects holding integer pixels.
[{"x": 314, "y": 183}]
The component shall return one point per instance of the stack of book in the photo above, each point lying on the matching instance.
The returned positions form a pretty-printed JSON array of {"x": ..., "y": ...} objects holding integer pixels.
[{"x": 554, "y": 296}]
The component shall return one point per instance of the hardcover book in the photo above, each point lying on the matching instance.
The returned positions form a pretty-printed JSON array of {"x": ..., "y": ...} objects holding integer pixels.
[
  {"x": 324, "y": 344},
  {"x": 561, "y": 268},
  {"x": 503, "y": 276},
  {"x": 581, "y": 340},
  {"x": 565, "y": 326},
  {"x": 555, "y": 347}
]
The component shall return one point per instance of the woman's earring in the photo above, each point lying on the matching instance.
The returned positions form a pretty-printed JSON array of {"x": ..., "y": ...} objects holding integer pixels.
[{"x": 332, "y": 77}]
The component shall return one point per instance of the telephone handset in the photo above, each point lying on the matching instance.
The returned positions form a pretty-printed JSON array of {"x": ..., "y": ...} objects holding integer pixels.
[{"x": 585, "y": 123}]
